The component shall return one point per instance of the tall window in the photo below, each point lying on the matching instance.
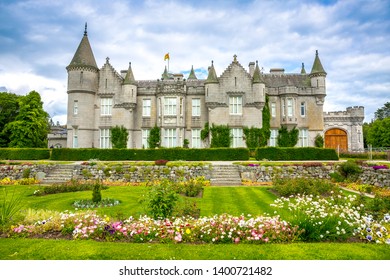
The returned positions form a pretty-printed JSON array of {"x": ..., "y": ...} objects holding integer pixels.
[
  {"x": 290, "y": 107},
  {"x": 145, "y": 138},
  {"x": 273, "y": 138},
  {"x": 303, "y": 109},
  {"x": 196, "y": 141},
  {"x": 170, "y": 137},
  {"x": 237, "y": 137},
  {"x": 106, "y": 106},
  {"x": 170, "y": 106},
  {"x": 235, "y": 105},
  {"x": 105, "y": 138},
  {"x": 196, "y": 107},
  {"x": 303, "y": 137},
  {"x": 146, "y": 104},
  {"x": 273, "y": 109},
  {"x": 75, "y": 107},
  {"x": 75, "y": 138}
]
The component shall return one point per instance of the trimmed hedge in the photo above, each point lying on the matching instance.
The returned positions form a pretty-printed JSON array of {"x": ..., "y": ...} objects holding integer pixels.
[
  {"x": 24, "y": 153},
  {"x": 306, "y": 153},
  {"x": 223, "y": 154}
]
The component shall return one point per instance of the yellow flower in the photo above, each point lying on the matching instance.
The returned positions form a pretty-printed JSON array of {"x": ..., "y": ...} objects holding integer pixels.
[{"x": 188, "y": 231}]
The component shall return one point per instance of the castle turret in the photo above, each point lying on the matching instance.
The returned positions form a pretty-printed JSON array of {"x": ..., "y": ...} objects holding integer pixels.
[
  {"x": 258, "y": 85},
  {"x": 192, "y": 75},
  {"x": 83, "y": 75},
  {"x": 211, "y": 86},
  {"x": 318, "y": 76},
  {"x": 129, "y": 87}
]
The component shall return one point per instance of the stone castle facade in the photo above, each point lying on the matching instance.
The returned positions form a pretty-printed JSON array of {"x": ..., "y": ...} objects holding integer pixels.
[{"x": 99, "y": 99}]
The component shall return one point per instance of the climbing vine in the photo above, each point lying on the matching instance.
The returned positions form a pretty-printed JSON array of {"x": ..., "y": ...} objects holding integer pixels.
[
  {"x": 119, "y": 135},
  {"x": 287, "y": 138},
  {"x": 154, "y": 137},
  {"x": 220, "y": 136}
]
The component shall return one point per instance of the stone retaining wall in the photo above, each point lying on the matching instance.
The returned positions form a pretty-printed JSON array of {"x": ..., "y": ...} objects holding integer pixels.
[{"x": 126, "y": 173}]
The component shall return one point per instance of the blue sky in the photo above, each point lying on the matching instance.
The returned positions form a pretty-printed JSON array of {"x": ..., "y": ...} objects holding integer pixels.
[{"x": 39, "y": 37}]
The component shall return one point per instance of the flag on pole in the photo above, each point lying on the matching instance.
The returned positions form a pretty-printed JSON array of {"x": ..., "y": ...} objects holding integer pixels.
[{"x": 166, "y": 56}]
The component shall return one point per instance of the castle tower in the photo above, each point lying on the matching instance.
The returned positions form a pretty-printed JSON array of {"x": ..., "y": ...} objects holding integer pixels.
[
  {"x": 82, "y": 88},
  {"x": 318, "y": 76},
  {"x": 212, "y": 87},
  {"x": 258, "y": 85}
]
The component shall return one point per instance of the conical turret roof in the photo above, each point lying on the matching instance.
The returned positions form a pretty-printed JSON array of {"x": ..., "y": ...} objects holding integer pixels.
[
  {"x": 165, "y": 75},
  {"x": 192, "y": 75},
  {"x": 317, "y": 66},
  {"x": 257, "y": 77},
  {"x": 84, "y": 56},
  {"x": 303, "y": 71},
  {"x": 129, "y": 79},
  {"x": 212, "y": 77}
]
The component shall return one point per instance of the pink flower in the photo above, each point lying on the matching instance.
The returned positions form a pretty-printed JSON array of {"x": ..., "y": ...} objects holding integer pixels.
[
  {"x": 178, "y": 237},
  {"x": 237, "y": 240}
]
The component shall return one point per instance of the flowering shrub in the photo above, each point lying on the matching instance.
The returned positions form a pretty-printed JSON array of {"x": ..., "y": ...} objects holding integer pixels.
[
  {"x": 374, "y": 231},
  {"x": 376, "y": 167},
  {"x": 336, "y": 217},
  {"x": 23, "y": 181},
  {"x": 87, "y": 203},
  {"x": 216, "y": 229}
]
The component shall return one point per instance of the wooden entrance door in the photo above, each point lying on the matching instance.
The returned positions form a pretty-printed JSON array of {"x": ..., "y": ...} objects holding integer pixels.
[{"x": 336, "y": 138}]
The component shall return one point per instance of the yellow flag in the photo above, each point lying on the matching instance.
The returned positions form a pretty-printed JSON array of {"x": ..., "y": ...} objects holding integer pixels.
[{"x": 166, "y": 56}]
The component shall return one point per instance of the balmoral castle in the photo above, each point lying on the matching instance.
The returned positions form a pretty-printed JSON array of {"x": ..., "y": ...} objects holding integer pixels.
[{"x": 99, "y": 99}]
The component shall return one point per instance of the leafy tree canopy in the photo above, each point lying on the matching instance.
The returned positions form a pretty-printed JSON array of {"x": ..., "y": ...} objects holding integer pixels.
[
  {"x": 383, "y": 112},
  {"x": 30, "y": 127},
  {"x": 119, "y": 136},
  {"x": 9, "y": 109}
]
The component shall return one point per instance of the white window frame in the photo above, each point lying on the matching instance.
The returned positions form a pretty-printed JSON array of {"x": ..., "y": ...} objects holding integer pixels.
[
  {"x": 75, "y": 138},
  {"x": 146, "y": 107},
  {"x": 106, "y": 106},
  {"x": 196, "y": 107},
  {"x": 235, "y": 105},
  {"x": 196, "y": 142},
  {"x": 273, "y": 140},
  {"x": 75, "y": 107},
  {"x": 170, "y": 106},
  {"x": 105, "y": 138},
  {"x": 303, "y": 109},
  {"x": 273, "y": 109},
  {"x": 283, "y": 108},
  {"x": 290, "y": 107},
  {"x": 237, "y": 137},
  {"x": 304, "y": 137},
  {"x": 170, "y": 137},
  {"x": 145, "y": 138}
]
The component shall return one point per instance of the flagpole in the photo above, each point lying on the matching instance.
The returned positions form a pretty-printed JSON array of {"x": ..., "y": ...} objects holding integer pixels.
[{"x": 169, "y": 58}]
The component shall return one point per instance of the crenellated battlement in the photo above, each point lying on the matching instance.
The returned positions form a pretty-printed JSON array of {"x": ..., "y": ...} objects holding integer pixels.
[{"x": 355, "y": 111}]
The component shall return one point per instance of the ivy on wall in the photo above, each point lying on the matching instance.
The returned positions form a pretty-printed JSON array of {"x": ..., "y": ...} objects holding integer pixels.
[
  {"x": 258, "y": 137},
  {"x": 154, "y": 137},
  {"x": 287, "y": 138},
  {"x": 119, "y": 136},
  {"x": 220, "y": 136}
]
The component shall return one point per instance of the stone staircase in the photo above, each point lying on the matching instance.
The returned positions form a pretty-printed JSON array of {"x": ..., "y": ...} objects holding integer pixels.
[
  {"x": 60, "y": 174},
  {"x": 225, "y": 175}
]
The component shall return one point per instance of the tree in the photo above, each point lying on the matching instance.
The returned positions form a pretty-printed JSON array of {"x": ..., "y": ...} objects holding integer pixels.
[
  {"x": 378, "y": 134},
  {"x": 383, "y": 112},
  {"x": 319, "y": 141},
  {"x": 119, "y": 136},
  {"x": 154, "y": 137},
  {"x": 31, "y": 125},
  {"x": 9, "y": 109}
]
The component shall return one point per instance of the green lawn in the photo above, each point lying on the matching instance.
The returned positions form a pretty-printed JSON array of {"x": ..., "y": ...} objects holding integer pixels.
[
  {"x": 40, "y": 249},
  {"x": 215, "y": 200}
]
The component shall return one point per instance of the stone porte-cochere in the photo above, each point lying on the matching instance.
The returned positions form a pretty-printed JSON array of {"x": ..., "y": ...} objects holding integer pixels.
[{"x": 99, "y": 99}]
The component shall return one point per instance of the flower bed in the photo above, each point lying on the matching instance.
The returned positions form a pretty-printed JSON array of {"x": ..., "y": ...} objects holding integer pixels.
[{"x": 216, "y": 229}]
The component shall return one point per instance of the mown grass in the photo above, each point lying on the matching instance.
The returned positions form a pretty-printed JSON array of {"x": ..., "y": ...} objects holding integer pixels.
[
  {"x": 41, "y": 249},
  {"x": 215, "y": 200}
]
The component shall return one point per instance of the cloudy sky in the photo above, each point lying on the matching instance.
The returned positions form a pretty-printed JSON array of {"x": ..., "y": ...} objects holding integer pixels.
[{"x": 38, "y": 39}]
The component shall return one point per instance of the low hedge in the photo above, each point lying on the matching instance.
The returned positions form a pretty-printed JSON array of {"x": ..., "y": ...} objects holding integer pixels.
[
  {"x": 223, "y": 154},
  {"x": 24, "y": 153},
  {"x": 306, "y": 153}
]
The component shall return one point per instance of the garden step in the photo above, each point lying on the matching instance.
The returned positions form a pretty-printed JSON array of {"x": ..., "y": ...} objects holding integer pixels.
[
  {"x": 60, "y": 174},
  {"x": 225, "y": 175}
]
